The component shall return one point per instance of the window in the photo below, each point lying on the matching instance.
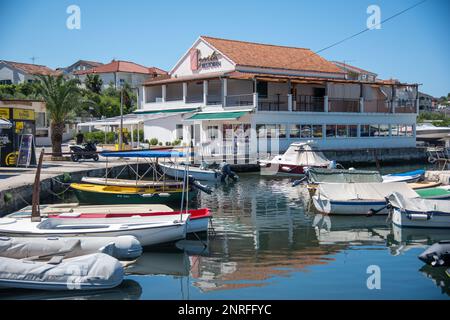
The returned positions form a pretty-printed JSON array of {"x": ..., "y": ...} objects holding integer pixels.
[
  {"x": 262, "y": 89},
  {"x": 5, "y": 81},
  {"x": 305, "y": 131},
  {"x": 40, "y": 120},
  {"x": 294, "y": 131},
  {"x": 282, "y": 131},
  {"x": 365, "y": 130},
  {"x": 317, "y": 131},
  {"x": 331, "y": 130},
  {"x": 179, "y": 131},
  {"x": 341, "y": 131},
  {"x": 212, "y": 132},
  {"x": 353, "y": 131},
  {"x": 384, "y": 130},
  {"x": 409, "y": 130},
  {"x": 374, "y": 130},
  {"x": 261, "y": 130},
  {"x": 271, "y": 130}
]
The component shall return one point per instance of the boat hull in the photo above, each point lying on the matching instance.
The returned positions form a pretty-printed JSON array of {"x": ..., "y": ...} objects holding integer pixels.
[
  {"x": 96, "y": 197},
  {"x": 353, "y": 207},
  {"x": 196, "y": 173},
  {"x": 407, "y": 219}
]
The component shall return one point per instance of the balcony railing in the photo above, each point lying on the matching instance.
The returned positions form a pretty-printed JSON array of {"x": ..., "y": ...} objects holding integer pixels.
[
  {"x": 176, "y": 98},
  {"x": 277, "y": 102},
  {"x": 309, "y": 104},
  {"x": 212, "y": 99},
  {"x": 377, "y": 106},
  {"x": 239, "y": 100},
  {"x": 343, "y": 105},
  {"x": 405, "y": 106},
  {"x": 194, "y": 99}
]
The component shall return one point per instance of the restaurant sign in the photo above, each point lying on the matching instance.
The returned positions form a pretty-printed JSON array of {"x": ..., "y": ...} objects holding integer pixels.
[
  {"x": 198, "y": 62},
  {"x": 23, "y": 114}
]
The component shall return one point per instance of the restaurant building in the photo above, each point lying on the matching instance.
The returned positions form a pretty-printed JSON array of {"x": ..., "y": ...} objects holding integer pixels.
[{"x": 221, "y": 90}]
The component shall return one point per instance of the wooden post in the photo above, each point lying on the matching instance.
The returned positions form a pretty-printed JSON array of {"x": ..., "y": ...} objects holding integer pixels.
[{"x": 35, "y": 212}]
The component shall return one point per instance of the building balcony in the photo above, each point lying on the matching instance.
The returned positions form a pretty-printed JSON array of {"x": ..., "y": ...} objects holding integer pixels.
[
  {"x": 343, "y": 105},
  {"x": 308, "y": 104}
]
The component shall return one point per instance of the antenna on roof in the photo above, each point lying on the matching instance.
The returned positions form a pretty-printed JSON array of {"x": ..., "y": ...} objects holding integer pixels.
[{"x": 33, "y": 58}]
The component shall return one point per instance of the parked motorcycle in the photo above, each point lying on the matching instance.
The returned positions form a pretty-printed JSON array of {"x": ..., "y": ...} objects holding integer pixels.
[{"x": 87, "y": 151}]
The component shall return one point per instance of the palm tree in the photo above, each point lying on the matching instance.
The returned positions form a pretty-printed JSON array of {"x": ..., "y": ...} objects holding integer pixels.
[
  {"x": 62, "y": 97},
  {"x": 93, "y": 82}
]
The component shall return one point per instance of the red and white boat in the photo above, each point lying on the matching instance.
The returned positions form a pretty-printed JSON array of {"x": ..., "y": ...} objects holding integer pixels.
[{"x": 297, "y": 158}]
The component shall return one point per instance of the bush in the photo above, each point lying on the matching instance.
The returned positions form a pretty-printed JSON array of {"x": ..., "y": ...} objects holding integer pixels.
[
  {"x": 153, "y": 141},
  {"x": 176, "y": 142},
  {"x": 99, "y": 137},
  {"x": 160, "y": 144}
]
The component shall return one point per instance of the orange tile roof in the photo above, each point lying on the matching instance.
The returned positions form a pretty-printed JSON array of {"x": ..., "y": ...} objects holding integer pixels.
[
  {"x": 272, "y": 56},
  {"x": 122, "y": 66},
  {"x": 34, "y": 69}
]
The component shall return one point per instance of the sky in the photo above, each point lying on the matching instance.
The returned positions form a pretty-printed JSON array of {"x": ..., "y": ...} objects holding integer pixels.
[{"x": 413, "y": 47}]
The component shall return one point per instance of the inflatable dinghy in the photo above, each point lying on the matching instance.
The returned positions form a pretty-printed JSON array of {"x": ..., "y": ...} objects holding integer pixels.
[
  {"x": 437, "y": 255},
  {"x": 122, "y": 247},
  {"x": 89, "y": 272}
]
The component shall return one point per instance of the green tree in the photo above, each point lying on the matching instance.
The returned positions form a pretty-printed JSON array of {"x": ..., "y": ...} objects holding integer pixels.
[
  {"x": 62, "y": 98},
  {"x": 93, "y": 82}
]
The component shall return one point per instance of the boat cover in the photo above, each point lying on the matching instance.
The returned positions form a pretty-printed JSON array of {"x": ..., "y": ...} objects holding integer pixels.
[
  {"x": 122, "y": 247},
  {"x": 143, "y": 154},
  {"x": 363, "y": 191},
  {"x": 304, "y": 155},
  {"x": 88, "y": 272},
  {"x": 418, "y": 204},
  {"x": 323, "y": 175}
]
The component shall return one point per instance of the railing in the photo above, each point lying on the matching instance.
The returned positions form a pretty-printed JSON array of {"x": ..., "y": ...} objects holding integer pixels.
[
  {"x": 405, "y": 106},
  {"x": 179, "y": 98},
  {"x": 212, "y": 99},
  {"x": 239, "y": 100},
  {"x": 343, "y": 105},
  {"x": 277, "y": 102},
  {"x": 194, "y": 99},
  {"x": 377, "y": 106},
  {"x": 309, "y": 104}
]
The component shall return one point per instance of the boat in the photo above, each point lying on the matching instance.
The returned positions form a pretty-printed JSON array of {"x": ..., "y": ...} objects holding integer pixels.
[
  {"x": 430, "y": 132},
  {"x": 122, "y": 248},
  {"x": 423, "y": 185},
  {"x": 88, "y": 193},
  {"x": 88, "y": 272},
  {"x": 130, "y": 183},
  {"x": 177, "y": 171},
  {"x": 419, "y": 212},
  {"x": 198, "y": 218},
  {"x": 437, "y": 193},
  {"x": 409, "y": 176},
  {"x": 357, "y": 198},
  {"x": 294, "y": 162},
  {"x": 437, "y": 255}
]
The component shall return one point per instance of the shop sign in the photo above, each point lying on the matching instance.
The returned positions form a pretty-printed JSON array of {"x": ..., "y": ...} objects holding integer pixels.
[
  {"x": 197, "y": 62},
  {"x": 4, "y": 113},
  {"x": 23, "y": 114}
]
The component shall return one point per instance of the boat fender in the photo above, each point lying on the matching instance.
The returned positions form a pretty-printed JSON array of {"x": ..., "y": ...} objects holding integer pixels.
[
  {"x": 123, "y": 247},
  {"x": 418, "y": 216},
  {"x": 287, "y": 169},
  {"x": 437, "y": 254}
]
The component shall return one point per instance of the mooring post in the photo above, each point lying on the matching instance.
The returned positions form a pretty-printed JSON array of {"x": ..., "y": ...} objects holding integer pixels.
[{"x": 35, "y": 212}]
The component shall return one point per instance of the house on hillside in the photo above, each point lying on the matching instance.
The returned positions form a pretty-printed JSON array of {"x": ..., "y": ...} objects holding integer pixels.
[{"x": 12, "y": 72}]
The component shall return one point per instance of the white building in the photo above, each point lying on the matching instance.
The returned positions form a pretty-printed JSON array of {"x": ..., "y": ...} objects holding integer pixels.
[
  {"x": 17, "y": 72},
  {"x": 221, "y": 89},
  {"x": 80, "y": 65}
]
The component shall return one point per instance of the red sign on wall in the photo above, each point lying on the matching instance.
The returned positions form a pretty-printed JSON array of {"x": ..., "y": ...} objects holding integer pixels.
[{"x": 194, "y": 59}]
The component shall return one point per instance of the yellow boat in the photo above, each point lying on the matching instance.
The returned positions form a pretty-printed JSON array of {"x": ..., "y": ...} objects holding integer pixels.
[{"x": 89, "y": 193}]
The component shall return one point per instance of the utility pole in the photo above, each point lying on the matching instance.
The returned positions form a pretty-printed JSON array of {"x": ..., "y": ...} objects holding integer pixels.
[{"x": 121, "y": 119}]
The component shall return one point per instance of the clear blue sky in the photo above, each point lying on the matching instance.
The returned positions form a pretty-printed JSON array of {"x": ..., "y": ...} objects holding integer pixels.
[{"x": 413, "y": 47}]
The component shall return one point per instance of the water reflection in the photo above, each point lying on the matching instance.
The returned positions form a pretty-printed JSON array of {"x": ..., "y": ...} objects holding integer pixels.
[
  {"x": 438, "y": 276},
  {"x": 128, "y": 290}
]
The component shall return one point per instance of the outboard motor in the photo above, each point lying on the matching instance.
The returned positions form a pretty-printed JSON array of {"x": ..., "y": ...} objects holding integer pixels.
[
  {"x": 226, "y": 171},
  {"x": 196, "y": 184},
  {"x": 438, "y": 254}
]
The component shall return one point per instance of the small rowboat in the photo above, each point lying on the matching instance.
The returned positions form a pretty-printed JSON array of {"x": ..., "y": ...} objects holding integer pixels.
[
  {"x": 423, "y": 185},
  {"x": 438, "y": 193},
  {"x": 88, "y": 193},
  {"x": 131, "y": 183},
  {"x": 198, "y": 222},
  {"x": 177, "y": 171},
  {"x": 410, "y": 176},
  {"x": 148, "y": 230},
  {"x": 418, "y": 212}
]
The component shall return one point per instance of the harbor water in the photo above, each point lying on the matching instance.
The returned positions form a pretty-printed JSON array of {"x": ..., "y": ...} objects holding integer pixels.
[{"x": 267, "y": 243}]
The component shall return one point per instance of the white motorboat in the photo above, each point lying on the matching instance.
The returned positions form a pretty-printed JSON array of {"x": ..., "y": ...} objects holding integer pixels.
[
  {"x": 148, "y": 230},
  {"x": 428, "y": 131},
  {"x": 88, "y": 272},
  {"x": 177, "y": 171},
  {"x": 295, "y": 161},
  {"x": 357, "y": 198},
  {"x": 419, "y": 212}
]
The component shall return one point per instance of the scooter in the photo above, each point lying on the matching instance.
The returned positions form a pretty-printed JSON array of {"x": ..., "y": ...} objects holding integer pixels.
[{"x": 88, "y": 151}]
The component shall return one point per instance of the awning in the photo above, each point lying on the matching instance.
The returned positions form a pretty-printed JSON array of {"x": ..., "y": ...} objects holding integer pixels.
[
  {"x": 143, "y": 154},
  {"x": 5, "y": 124},
  {"x": 165, "y": 111},
  {"x": 232, "y": 115}
]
